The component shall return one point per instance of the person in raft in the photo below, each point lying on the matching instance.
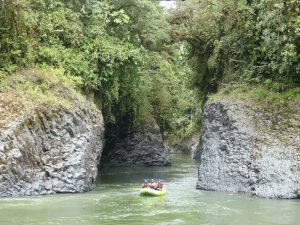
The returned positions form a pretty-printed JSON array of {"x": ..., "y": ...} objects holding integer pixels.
[
  {"x": 152, "y": 184},
  {"x": 145, "y": 185},
  {"x": 159, "y": 185}
]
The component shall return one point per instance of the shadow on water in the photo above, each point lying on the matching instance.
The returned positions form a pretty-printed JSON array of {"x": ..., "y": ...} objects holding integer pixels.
[{"x": 117, "y": 201}]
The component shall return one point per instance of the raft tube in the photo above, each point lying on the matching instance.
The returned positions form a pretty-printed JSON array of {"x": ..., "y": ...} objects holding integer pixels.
[{"x": 152, "y": 192}]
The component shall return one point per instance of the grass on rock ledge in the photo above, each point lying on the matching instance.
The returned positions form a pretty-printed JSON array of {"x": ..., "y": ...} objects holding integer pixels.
[
  {"x": 268, "y": 93},
  {"x": 42, "y": 88},
  {"x": 278, "y": 109}
]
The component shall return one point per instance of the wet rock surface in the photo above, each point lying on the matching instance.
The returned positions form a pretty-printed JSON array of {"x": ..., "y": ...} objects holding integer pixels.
[
  {"x": 143, "y": 147},
  {"x": 51, "y": 152},
  {"x": 247, "y": 149}
]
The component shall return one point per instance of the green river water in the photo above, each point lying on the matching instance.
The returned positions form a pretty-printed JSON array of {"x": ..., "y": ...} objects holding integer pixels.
[{"x": 116, "y": 201}]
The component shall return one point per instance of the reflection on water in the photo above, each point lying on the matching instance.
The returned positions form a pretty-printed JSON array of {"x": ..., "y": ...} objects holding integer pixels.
[{"x": 116, "y": 200}]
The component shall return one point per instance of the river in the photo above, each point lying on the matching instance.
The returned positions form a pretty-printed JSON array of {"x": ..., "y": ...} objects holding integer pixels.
[{"x": 116, "y": 201}]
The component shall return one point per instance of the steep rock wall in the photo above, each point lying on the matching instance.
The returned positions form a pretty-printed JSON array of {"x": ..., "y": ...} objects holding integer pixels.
[
  {"x": 250, "y": 149},
  {"x": 143, "y": 147},
  {"x": 53, "y": 151}
]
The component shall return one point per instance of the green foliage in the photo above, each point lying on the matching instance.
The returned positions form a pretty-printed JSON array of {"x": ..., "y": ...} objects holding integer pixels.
[
  {"x": 269, "y": 94},
  {"x": 147, "y": 26},
  {"x": 79, "y": 37},
  {"x": 144, "y": 64},
  {"x": 43, "y": 85},
  {"x": 176, "y": 106},
  {"x": 119, "y": 50},
  {"x": 237, "y": 40}
]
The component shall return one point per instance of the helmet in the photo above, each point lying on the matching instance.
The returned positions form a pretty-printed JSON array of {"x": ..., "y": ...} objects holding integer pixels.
[
  {"x": 145, "y": 181},
  {"x": 158, "y": 180},
  {"x": 152, "y": 180}
]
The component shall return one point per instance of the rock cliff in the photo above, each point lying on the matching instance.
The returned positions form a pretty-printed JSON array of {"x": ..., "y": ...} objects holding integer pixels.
[
  {"x": 51, "y": 152},
  {"x": 143, "y": 147},
  {"x": 47, "y": 147},
  {"x": 250, "y": 149}
]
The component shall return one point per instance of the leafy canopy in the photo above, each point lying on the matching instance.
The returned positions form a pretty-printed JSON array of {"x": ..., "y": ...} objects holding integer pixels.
[{"x": 121, "y": 50}]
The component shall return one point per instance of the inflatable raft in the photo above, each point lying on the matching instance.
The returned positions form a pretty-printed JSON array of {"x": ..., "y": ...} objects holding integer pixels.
[{"x": 152, "y": 192}]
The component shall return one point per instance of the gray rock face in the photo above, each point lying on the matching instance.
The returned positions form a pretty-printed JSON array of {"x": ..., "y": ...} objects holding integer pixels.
[
  {"x": 250, "y": 150},
  {"x": 51, "y": 152},
  {"x": 144, "y": 147},
  {"x": 185, "y": 146}
]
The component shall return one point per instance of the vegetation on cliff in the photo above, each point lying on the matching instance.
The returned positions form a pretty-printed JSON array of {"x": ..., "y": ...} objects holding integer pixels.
[
  {"x": 145, "y": 64},
  {"x": 253, "y": 42},
  {"x": 37, "y": 89},
  {"x": 121, "y": 50}
]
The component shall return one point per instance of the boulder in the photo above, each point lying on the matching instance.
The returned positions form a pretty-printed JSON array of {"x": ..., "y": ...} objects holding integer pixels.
[
  {"x": 252, "y": 149},
  {"x": 51, "y": 151}
]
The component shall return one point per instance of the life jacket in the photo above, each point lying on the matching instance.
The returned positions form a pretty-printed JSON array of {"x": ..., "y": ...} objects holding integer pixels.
[
  {"x": 152, "y": 185},
  {"x": 145, "y": 185},
  {"x": 159, "y": 186}
]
